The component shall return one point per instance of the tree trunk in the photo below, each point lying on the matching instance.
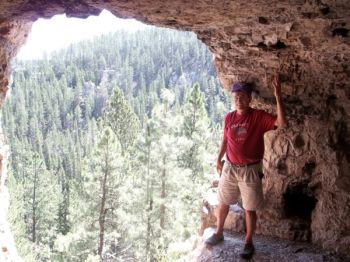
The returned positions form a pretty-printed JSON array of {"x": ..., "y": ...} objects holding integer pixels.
[
  {"x": 103, "y": 210},
  {"x": 35, "y": 184},
  {"x": 149, "y": 202},
  {"x": 149, "y": 228},
  {"x": 34, "y": 208},
  {"x": 162, "y": 196}
]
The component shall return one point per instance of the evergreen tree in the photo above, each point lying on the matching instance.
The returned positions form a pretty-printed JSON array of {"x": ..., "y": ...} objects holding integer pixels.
[
  {"x": 53, "y": 122},
  {"x": 196, "y": 131},
  {"x": 123, "y": 121}
]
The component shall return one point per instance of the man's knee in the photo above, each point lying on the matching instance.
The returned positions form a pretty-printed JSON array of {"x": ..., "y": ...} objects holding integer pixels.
[
  {"x": 250, "y": 213},
  {"x": 223, "y": 206}
]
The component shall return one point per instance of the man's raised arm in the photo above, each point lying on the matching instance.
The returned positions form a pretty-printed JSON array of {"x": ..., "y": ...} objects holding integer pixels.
[{"x": 281, "y": 120}]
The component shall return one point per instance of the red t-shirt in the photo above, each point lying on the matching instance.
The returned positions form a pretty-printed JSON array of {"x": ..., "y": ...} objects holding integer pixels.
[{"x": 245, "y": 135}]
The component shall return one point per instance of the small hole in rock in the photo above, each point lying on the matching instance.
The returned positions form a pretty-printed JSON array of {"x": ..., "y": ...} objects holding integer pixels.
[
  {"x": 299, "y": 141},
  {"x": 279, "y": 45},
  {"x": 331, "y": 99},
  {"x": 340, "y": 31},
  {"x": 262, "y": 45},
  {"x": 309, "y": 168},
  {"x": 263, "y": 20},
  {"x": 281, "y": 165},
  {"x": 325, "y": 10}
]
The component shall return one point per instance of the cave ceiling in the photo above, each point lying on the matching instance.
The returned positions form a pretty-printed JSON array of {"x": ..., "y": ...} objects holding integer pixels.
[{"x": 250, "y": 40}]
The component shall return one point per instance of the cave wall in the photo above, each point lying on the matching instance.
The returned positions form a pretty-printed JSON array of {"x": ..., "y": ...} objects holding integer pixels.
[{"x": 307, "y": 172}]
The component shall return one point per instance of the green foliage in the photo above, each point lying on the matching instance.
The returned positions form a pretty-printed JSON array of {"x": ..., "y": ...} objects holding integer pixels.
[
  {"x": 122, "y": 119},
  {"x": 195, "y": 128},
  {"x": 119, "y": 109}
]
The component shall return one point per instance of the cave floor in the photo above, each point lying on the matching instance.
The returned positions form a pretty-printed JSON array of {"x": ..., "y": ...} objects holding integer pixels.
[{"x": 266, "y": 249}]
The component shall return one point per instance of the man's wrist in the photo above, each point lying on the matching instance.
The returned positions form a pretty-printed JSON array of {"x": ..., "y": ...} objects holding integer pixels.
[{"x": 278, "y": 99}]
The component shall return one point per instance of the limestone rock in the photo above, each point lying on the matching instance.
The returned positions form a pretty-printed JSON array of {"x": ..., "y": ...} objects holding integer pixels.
[{"x": 235, "y": 218}]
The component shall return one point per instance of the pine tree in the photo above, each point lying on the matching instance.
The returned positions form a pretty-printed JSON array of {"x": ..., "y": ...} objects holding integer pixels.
[
  {"x": 54, "y": 114},
  {"x": 107, "y": 171},
  {"x": 195, "y": 129},
  {"x": 123, "y": 121}
]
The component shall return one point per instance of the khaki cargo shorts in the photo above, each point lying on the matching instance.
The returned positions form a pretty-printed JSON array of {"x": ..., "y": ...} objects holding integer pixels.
[{"x": 245, "y": 181}]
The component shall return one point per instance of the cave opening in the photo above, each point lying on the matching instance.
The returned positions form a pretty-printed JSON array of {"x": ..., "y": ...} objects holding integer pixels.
[
  {"x": 299, "y": 201},
  {"x": 298, "y": 204},
  {"x": 69, "y": 98}
]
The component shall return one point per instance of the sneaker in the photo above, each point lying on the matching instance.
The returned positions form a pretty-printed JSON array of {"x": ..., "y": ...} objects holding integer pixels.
[
  {"x": 247, "y": 251},
  {"x": 214, "y": 240}
]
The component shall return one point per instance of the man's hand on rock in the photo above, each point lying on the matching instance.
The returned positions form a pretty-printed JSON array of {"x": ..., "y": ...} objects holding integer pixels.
[{"x": 276, "y": 84}]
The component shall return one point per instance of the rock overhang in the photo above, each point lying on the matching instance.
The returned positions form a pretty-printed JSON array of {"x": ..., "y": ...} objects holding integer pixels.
[{"x": 249, "y": 39}]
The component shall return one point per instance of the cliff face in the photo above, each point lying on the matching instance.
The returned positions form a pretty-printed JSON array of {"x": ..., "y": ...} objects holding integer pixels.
[{"x": 307, "y": 182}]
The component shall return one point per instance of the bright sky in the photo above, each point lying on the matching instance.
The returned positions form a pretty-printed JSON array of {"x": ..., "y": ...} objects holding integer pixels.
[{"x": 59, "y": 31}]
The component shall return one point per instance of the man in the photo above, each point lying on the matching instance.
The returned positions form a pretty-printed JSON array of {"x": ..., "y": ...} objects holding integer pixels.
[{"x": 243, "y": 144}]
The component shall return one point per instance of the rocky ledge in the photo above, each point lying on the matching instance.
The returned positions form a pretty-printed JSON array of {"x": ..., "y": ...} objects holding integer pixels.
[{"x": 266, "y": 249}]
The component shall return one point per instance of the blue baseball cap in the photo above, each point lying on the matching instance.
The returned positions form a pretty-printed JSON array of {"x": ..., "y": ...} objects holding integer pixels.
[{"x": 242, "y": 87}]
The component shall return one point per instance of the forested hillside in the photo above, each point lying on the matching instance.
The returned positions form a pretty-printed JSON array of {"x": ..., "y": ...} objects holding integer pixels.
[{"x": 112, "y": 142}]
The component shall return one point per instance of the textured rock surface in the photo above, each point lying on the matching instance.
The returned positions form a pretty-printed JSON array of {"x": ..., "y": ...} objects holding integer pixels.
[
  {"x": 8, "y": 250},
  {"x": 307, "y": 182},
  {"x": 235, "y": 218}
]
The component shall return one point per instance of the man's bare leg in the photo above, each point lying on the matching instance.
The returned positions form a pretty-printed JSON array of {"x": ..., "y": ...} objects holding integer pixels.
[
  {"x": 250, "y": 218},
  {"x": 222, "y": 214},
  {"x": 217, "y": 237}
]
